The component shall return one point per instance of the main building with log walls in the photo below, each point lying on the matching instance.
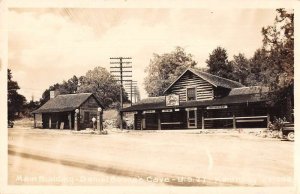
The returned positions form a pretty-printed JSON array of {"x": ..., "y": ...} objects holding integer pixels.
[{"x": 199, "y": 100}]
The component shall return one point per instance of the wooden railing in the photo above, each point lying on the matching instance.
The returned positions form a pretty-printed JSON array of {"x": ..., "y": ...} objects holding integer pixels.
[{"x": 238, "y": 119}]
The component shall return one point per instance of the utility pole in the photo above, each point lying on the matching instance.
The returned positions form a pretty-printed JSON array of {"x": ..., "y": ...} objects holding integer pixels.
[
  {"x": 119, "y": 73},
  {"x": 130, "y": 86},
  {"x": 137, "y": 94}
]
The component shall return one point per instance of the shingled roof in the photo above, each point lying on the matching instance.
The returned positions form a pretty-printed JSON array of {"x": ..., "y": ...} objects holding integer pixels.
[
  {"x": 67, "y": 102},
  {"x": 212, "y": 79},
  {"x": 248, "y": 90},
  {"x": 216, "y": 80}
]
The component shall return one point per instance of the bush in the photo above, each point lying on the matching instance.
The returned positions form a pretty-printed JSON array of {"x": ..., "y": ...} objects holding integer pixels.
[
  {"x": 274, "y": 129},
  {"x": 277, "y": 124}
]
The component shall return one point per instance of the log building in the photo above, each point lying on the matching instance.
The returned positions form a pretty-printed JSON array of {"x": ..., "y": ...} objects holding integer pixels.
[
  {"x": 69, "y": 111},
  {"x": 199, "y": 100}
]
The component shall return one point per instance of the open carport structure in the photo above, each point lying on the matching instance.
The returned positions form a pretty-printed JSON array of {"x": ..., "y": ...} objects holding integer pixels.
[{"x": 69, "y": 111}]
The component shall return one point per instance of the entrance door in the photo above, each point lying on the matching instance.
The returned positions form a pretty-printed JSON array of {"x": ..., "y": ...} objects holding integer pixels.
[{"x": 192, "y": 118}]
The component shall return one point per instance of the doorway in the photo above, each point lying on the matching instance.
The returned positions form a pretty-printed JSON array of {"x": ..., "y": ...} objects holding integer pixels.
[{"x": 192, "y": 118}]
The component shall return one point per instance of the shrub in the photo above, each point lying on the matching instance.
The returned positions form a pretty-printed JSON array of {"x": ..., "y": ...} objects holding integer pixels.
[{"x": 277, "y": 124}]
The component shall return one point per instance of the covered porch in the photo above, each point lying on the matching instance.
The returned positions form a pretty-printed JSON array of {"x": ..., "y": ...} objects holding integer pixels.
[
  {"x": 200, "y": 115},
  {"x": 56, "y": 120}
]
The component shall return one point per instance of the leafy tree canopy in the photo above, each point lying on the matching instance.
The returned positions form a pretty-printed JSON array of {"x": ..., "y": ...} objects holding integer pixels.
[
  {"x": 164, "y": 69},
  {"x": 218, "y": 63},
  {"x": 240, "y": 68},
  {"x": 15, "y": 101},
  {"x": 278, "y": 41},
  {"x": 100, "y": 82}
]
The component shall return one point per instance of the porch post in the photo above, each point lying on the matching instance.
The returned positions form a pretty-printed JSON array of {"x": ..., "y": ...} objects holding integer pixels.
[
  {"x": 140, "y": 119},
  {"x": 202, "y": 122},
  {"x": 268, "y": 119},
  {"x": 99, "y": 120},
  {"x": 234, "y": 122},
  {"x": 134, "y": 118},
  {"x": 158, "y": 119},
  {"x": 76, "y": 120},
  {"x": 50, "y": 122},
  {"x": 34, "y": 120},
  {"x": 70, "y": 121},
  {"x": 121, "y": 118},
  {"x": 143, "y": 122}
]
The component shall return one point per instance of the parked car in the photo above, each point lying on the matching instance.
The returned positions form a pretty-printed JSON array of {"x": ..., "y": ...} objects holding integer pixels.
[
  {"x": 10, "y": 124},
  {"x": 287, "y": 131}
]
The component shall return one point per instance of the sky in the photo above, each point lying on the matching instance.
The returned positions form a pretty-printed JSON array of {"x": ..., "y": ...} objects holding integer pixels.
[{"x": 47, "y": 46}]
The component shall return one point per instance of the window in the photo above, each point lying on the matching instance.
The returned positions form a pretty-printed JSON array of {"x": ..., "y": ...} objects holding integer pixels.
[{"x": 191, "y": 94}]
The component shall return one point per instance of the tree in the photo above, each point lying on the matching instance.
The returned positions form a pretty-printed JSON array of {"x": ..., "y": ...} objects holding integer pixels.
[
  {"x": 100, "y": 82},
  {"x": 259, "y": 71},
  {"x": 46, "y": 93},
  {"x": 15, "y": 101},
  {"x": 218, "y": 63},
  {"x": 70, "y": 86},
  {"x": 67, "y": 87},
  {"x": 278, "y": 41},
  {"x": 240, "y": 66},
  {"x": 29, "y": 107},
  {"x": 164, "y": 69}
]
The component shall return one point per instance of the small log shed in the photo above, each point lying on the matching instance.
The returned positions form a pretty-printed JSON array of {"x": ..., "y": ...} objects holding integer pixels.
[{"x": 69, "y": 111}]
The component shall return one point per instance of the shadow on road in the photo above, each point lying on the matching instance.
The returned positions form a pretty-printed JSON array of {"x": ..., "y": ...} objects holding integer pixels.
[{"x": 169, "y": 179}]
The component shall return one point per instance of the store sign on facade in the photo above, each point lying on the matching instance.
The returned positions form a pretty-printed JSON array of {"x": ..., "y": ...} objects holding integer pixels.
[
  {"x": 172, "y": 100},
  {"x": 217, "y": 107}
]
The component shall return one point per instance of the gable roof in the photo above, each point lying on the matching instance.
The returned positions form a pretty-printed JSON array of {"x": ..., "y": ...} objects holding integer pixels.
[
  {"x": 212, "y": 79},
  {"x": 66, "y": 102}
]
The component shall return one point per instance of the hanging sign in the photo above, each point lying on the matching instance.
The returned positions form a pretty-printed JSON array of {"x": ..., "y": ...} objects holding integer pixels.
[
  {"x": 217, "y": 107},
  {"x": 172, "y": 100}
]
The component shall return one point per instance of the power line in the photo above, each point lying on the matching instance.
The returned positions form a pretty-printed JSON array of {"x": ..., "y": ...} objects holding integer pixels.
[
  {"x": 120, "y": 75},
  {"x": 130, "y": 86}
]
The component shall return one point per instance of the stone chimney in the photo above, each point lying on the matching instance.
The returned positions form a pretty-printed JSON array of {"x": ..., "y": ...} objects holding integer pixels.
[{"x": 53, "y": 93}]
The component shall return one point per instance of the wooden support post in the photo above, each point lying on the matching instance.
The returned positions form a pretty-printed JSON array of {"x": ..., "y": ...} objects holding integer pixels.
[
  {"x": 98, "y": 121},
  {"x": 159, "y": 119},
  {"x": 268, "y": 119},
  {"x": 139, "y": 118},
  {"x": 143, "y": 121},
  {"x": 76, "y": 122},
  {"x": 50, "y": 122},
  {"x": 202, "y": 122},
  {"x": 101, "y": 121},
  {"x": 70, "y": 121},
  {"x": 234, "y": 122},
  {"x": 121, "y": 122},
  {"x": 34, "y": 120},
  {"x": 134, "y": 121}
]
